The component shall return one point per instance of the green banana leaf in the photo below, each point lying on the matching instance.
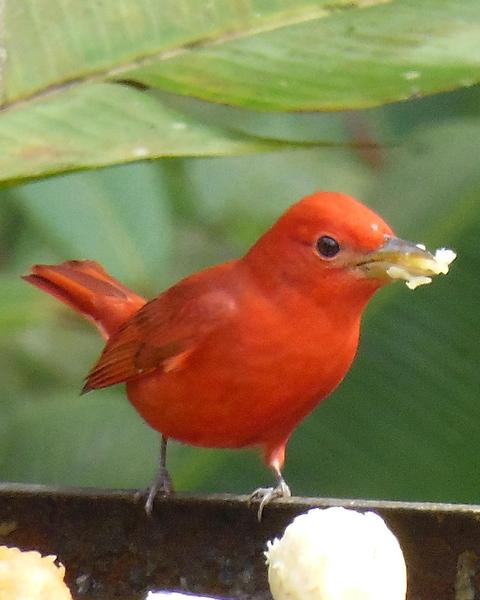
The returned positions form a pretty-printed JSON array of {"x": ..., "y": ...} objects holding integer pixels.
[{"x": 73, "y": 73}]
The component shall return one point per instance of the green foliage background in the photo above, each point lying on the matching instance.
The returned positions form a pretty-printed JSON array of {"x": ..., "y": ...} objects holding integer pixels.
[{"x": 405, "y": 422}]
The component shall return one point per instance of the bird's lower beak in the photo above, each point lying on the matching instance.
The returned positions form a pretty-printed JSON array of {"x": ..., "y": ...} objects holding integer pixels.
[{"x": 399, "y": 259}]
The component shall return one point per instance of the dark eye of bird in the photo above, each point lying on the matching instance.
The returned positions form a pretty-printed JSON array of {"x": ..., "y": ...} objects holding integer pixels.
[{"x": 327, "y": 246}]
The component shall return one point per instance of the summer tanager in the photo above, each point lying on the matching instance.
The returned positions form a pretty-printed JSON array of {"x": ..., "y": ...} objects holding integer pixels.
[{"x": 238, "y": 354}]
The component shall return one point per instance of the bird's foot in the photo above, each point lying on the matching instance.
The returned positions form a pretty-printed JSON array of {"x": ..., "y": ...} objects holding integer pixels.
[
  {"x": 161, "y": 486},
  {"x": 266, "y": 495}
]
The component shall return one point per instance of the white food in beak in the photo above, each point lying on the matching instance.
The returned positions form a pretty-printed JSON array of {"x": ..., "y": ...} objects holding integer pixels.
[
  {"x": 442, "y": 259},
  {"x": 411, "y": 281}
]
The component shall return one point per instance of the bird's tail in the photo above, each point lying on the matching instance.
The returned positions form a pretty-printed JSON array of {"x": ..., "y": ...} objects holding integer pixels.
[{"x": 90, "y": 290}]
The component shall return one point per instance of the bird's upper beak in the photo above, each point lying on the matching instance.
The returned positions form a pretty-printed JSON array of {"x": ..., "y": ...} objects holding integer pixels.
[{"x": 399, "y": 259}]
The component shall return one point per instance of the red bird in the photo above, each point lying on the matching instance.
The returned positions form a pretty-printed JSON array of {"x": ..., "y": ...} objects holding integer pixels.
[{"x": 238, "y": 354}]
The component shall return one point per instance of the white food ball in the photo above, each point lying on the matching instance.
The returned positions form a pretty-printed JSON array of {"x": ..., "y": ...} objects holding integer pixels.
[
  {"x": 30, "y": 576},
  {"x": 175, "y": 596},
  {"x": 336, "y": 554}
]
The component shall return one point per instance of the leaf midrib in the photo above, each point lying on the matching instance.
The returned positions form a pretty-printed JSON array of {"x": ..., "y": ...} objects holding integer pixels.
[{"x": 210, "y": 40}]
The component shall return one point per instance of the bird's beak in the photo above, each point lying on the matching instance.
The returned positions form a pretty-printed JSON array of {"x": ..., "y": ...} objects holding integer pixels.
[{"x": 399, "y": 259}]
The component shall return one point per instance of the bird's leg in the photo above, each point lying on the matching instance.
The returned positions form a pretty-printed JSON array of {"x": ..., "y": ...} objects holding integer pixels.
[
  {"x": 281, "y": 490},
  {"x": 162, "y": 484}
]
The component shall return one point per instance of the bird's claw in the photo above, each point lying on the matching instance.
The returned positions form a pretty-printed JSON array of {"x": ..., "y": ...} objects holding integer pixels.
[
  {"x": 266, "y": 495},
  {"x": 161, "y": 486}
]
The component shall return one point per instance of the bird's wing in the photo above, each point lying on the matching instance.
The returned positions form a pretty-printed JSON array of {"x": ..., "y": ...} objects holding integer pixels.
[{"x": 161, "y": 335}]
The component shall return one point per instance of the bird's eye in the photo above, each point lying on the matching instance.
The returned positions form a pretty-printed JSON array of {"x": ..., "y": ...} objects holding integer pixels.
[{"x": 328, "y": 246}]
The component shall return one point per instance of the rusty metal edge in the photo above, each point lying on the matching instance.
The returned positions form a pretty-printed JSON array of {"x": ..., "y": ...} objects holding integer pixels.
[{"x": 297, "y": 502}]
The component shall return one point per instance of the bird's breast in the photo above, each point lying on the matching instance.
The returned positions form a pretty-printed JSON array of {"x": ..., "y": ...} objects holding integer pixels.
[{"x": 255, "y": 378}]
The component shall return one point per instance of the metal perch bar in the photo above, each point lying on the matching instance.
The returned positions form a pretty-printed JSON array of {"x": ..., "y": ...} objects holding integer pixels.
[{"x": 214, "y": 544}]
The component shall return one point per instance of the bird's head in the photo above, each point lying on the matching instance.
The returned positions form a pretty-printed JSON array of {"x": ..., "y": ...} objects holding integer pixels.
[{"x": 331, "y": 244}]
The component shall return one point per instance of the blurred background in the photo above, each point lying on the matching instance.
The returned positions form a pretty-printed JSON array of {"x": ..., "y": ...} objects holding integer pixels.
[{"x": 405, "y": 422}]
